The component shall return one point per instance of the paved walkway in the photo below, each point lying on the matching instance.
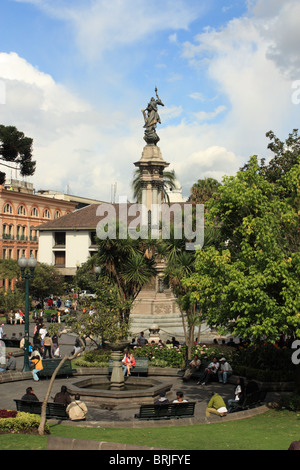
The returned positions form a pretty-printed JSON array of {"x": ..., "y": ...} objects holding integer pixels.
[{"x": 118, "y": 417}]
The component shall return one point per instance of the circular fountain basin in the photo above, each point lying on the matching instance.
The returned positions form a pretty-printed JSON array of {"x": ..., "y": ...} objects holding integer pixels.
[{"x": 137, "y": 390}]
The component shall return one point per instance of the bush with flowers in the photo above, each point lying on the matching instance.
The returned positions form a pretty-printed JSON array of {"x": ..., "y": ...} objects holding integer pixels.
[{"x": 20, "y": 422}]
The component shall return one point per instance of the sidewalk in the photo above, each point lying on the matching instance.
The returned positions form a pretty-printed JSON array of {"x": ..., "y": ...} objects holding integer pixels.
[{"x": 98, "y": 416}]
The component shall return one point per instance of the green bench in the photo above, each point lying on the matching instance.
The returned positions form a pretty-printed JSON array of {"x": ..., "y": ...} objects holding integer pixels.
[
  {"x": 166, "y": 411},
  {"x": 53, "y": 410},
  {"x": 141, "y": 366},
  {"x": 49, "y": 366}
]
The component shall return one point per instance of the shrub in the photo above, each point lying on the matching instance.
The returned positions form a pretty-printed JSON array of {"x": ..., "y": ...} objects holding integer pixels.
[
  {"x": 8, "y": 413},
  {"x": 291, "y": 402},
  {"x": 21, "y": 423},
  {"x": 161, "y": 355}
]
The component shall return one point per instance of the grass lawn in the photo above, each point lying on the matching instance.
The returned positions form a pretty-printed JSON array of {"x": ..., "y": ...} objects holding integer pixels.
[{"x": 273, "y": 430}]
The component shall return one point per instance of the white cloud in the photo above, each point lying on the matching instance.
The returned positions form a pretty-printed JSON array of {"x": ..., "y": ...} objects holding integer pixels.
[
  {"x": 100, "y": 25},
  {"x": 72, "y": 141},
  {"x": 208, "y": 116}
]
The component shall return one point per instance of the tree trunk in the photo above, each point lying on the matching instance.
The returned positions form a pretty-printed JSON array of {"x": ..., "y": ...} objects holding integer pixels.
[{"x": 41, "y": 428}]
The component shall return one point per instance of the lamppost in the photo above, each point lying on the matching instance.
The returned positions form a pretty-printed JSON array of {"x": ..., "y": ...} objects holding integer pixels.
[{"x": 23, "y": 264}]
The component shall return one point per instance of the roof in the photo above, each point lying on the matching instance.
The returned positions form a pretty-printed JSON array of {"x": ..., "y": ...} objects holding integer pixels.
[{"x": 86, "y": 218}]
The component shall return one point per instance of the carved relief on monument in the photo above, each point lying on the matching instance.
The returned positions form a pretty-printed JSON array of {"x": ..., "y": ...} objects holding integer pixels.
[{"x": 162, "y": 309}]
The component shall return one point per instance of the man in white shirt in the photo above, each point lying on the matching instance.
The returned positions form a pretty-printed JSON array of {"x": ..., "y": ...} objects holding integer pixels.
[{"x": 225, "y": 371}]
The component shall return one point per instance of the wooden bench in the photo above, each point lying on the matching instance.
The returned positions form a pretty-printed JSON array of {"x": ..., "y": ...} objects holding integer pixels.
[
  {"x": 141, "y": 366},
  {"x": 53, "y": 410},
  {"x": 49, "y": 366},
  {"x": 166, "y": 411}
]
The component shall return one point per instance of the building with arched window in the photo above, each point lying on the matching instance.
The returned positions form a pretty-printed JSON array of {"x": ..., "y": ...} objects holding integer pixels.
[{"x": 21, "y": 212}]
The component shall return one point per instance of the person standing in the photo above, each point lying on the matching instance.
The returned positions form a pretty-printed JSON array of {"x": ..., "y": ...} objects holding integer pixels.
[{"x": 47, "y": 346}]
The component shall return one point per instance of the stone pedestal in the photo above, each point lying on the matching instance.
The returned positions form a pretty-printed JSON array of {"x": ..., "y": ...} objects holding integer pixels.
[{"x": 117, "y": 376}]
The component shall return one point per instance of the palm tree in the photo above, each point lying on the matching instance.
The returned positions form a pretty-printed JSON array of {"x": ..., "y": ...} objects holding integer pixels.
[
  {"x": 203, "y": 190},
  {"x": 125, "y": 263},
  {"x": 169, "y": 181}
]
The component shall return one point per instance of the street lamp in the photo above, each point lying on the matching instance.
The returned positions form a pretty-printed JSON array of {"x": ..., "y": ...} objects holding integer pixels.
[
  {"x": 23, "y": 264},
  {"x": 97, "y": 270}
]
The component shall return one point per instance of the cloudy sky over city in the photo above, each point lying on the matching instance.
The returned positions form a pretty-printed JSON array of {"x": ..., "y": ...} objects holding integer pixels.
[{"x": 74, "y": 76}]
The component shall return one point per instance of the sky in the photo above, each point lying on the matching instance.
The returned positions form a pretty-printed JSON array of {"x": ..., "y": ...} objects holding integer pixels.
[{"x": 75, "y": 75}]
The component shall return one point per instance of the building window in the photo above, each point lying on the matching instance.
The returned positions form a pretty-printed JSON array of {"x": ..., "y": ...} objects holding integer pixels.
[
  {"x": 60, "y": 238},
  {"x": 57, "y": 214},
  {"x": 34, "y": 212},
  {"x": 21, "y": 233},
  {"x": 46, "y": 214},
  {"x": 21, "y": 210},
  {"x": 60, "y": 258},
  {"x": 7, "y": 209}
]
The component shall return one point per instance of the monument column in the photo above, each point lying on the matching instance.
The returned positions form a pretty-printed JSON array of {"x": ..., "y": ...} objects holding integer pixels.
[{"x": 156, "y": 303}]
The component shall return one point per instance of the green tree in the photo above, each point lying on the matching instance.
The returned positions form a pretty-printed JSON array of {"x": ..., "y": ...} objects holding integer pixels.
[
  {"x": 100, "y": 319},
  {"x": 46, "y": 281},
  {"x": 249, "y": 287},
  {"x": 204, "y": 190},
  {"x": 15, "y": 147}
]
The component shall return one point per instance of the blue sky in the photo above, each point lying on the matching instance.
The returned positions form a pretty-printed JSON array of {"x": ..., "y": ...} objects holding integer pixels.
[{"x": 77, "y": 73}]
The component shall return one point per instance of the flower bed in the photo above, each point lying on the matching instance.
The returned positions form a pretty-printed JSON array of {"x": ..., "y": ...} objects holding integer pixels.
[{"x": 20, "y": 422}]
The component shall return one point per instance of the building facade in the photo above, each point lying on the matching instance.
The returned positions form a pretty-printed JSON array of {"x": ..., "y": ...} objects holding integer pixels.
[{"x": 21, "y": 212}]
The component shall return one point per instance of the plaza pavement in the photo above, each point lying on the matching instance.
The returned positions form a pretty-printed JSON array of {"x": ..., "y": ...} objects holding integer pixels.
[{"x": 119, "y": 417}]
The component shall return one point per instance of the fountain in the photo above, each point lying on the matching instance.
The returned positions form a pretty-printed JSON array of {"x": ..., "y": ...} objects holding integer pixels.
[{"x": 114, "y": 392}]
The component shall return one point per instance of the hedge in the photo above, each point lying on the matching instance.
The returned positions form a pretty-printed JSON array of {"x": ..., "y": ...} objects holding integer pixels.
[{"x": 21, "y": 423}]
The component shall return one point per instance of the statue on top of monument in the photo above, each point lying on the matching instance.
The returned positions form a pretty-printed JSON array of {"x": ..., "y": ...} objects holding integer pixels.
[{"x": 151, "y": 118}]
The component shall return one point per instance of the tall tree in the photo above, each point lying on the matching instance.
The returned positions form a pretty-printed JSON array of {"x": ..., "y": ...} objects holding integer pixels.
[
  {"x": 15, "y": 147},
  {"x": 125, "y": 263},
  {"x": 251, "y": 287},
  {"x": 203, "y": 190}
]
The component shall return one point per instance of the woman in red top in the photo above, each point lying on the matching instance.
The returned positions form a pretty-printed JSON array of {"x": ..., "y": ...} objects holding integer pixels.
[{"x": 128, "y": 363}]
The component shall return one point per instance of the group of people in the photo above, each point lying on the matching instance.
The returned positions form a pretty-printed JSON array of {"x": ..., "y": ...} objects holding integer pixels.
[
  {"x": 163, "y": 400},
  {"x": 16, "y": 317},
  {"x": 76, "y": 409},
  {"x": 216, "y": 370},
  {"x": 217, "y": 405},
  {"x": 43, "y": 342},
  {"x": 142, "y": 341}
]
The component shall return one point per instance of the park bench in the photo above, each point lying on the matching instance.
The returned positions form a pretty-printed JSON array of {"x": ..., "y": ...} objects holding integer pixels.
[
  {"x": 197, "y": 374},
  {"x": 53, "y": 410},
  {"x": 141, "y": 366},
  {"x": 11, "y": 343},
  {"x": 166, "y": 411},
  {"x": 252, "y": 400},
  {"x": 49, "y": 366}
]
